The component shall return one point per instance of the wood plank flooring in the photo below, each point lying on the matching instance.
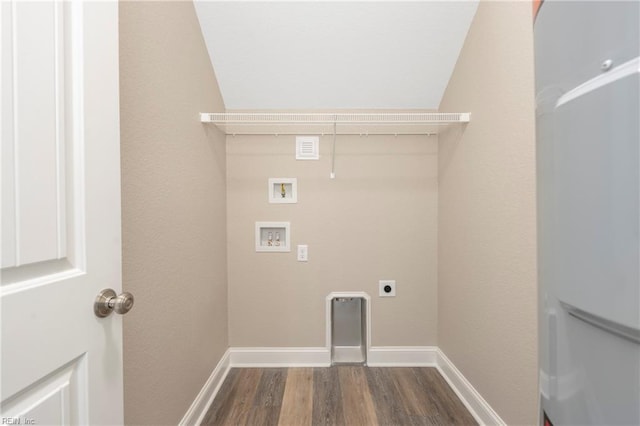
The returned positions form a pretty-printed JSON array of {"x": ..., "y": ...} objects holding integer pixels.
[{"x": 344, "y": 395}]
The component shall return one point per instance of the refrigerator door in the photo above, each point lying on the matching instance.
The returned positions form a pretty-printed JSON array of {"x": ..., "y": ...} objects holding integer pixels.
[{"x": 588, "y": 149}]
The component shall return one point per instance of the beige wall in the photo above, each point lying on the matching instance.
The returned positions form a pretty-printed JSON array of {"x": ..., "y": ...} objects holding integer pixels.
[
  {"x": 379, "y": 219},
  {"x": 487, "y": 247},
  {"x": 174, "y": 213},
  {"x": 376, "y": 220}
]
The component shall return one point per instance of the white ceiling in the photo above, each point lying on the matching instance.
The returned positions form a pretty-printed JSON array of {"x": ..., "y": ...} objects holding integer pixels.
[{"x": 334, "y": 54}]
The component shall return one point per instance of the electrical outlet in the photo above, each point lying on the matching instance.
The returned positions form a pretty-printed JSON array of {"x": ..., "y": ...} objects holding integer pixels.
[
  {"x": 387, "y": 288},
  {"x": 303, "y": 253}
]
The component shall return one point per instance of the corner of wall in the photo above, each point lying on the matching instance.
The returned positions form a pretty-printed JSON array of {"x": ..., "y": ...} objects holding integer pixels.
[
  {"x": 173, "y": 211},
  {"x": 487, "y": 279}
]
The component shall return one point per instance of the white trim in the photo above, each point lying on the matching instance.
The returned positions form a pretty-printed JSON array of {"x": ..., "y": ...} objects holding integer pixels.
[
  {"x": 280, "y": 357},
  {"x": 470, "y": 397},
  {"x": 59, "y": 113},
  {"x": 196, "y": 412},
  {"x": 367, "y": 319},
  {"x": 402, "y": 356},
  {"x": 16, "y": 134},
  {"x": 78, "y": 188},
  {"x": 28, "y": 284},
  {"x": 383, "y": 356},
  {"x": 380, "y": 356}
]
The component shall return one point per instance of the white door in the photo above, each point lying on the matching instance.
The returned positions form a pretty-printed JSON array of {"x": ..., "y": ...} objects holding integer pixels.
[{"x": 60, "y": 213}]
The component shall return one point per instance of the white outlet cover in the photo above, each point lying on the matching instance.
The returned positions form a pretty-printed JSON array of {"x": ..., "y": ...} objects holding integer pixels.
[
  {"x": 383, "y": 283},
  {"x": 303, "y": 253}
]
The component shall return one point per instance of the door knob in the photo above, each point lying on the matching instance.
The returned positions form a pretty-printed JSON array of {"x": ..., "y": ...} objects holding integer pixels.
[{"x": 107, "y": 302}]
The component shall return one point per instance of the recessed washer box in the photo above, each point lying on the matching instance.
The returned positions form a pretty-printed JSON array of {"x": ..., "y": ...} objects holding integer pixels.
[
  {"x": 283, "y": 190},
  {"x": 273, "y": 237}
]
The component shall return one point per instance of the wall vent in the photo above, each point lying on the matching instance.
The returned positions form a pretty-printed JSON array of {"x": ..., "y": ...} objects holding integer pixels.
[{"x": 307, "y": 148}]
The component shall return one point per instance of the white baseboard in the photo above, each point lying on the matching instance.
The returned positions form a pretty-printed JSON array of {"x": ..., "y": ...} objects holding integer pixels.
[
  {"x": 381, "y": 356},
  {"x": 386, "y": 356},
  {"x": 196, "y": 412},
  {"x": 402, "y": 356},
  {"x": 280, "y": 357},
  {"x": 475, "y": 403}
]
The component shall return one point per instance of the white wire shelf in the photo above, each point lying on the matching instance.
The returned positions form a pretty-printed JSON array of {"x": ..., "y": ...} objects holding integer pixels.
[{"x": 324, "y": 123}]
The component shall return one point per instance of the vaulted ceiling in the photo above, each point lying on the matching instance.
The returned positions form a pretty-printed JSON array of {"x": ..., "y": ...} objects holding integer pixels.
[{"x": 288, "y": 55}]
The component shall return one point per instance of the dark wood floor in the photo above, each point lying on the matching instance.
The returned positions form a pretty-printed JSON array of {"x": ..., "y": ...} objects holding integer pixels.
[{"x": 345, "y": 395}]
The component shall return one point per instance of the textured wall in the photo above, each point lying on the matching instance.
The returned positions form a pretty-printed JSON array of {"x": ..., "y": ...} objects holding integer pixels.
[
  {"x": 174, "y": 212},
  {"x": 487, "y": 247},
  {"x": 376, "y": 220}
]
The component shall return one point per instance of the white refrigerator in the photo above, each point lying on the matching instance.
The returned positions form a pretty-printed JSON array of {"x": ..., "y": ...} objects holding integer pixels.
[{"x": 587, "y": 71}]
